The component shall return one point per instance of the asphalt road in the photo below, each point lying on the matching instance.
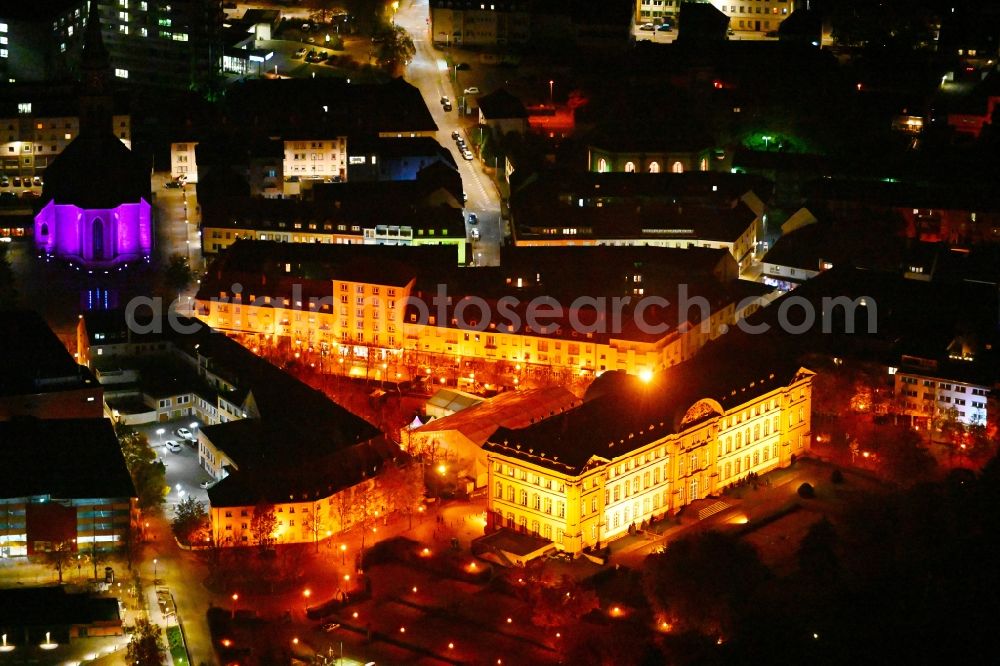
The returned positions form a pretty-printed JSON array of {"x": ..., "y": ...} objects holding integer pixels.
[{"x": 430, "y": 73}]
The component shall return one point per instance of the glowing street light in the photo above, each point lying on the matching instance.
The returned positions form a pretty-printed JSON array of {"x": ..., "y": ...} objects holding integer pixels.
[
  {"x": 159, "y": 434},
  {"x": 343, "y": 554},
  {"x": 235, "y": 598},
  {"x": 646, "y": 375},
  {"x": 307, "y": 593},
  {"x": 155, "y": 562}
]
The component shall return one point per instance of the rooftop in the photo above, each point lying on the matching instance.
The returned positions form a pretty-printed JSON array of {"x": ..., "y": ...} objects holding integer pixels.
[
  {"x": 511, "y": 409},
  {"x": 36, "y": 459},
  {"x": 36, "y": 361},
  {"x": 53, "y": 606},
  {"x": 602, "y": 428},
  {"x": 501, "y": 104}
]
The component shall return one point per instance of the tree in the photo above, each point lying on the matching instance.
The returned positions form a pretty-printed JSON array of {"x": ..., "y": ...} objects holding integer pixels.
[
  {"x": 8, "y": 291},
  {"x": 395, "y": 50},
  {"x": 817, "y": 552},
  {"x": 403, "y": 488},
  {"x": 262, "y": 524},
  {"x": 190, "y": 520},
  {"x": 146, "y": 647},
  {"x": 705, "y": 581},
  {"x": 59, "y": 557},
  {"x": 178, "y": 274},
  {"x": 902, "y": 457},
  {"x": 561, "y": 604},
  {"x": 148, "y": 475}
]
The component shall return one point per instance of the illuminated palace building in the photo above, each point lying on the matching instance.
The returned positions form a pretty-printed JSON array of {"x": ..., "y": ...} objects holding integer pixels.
[
  {"x": 383, "y": 319},
  {"x": 96, "y": 194},
  {"x": 635, "y": 451}
]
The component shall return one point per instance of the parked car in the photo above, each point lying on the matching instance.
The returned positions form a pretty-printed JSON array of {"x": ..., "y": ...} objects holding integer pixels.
[
  {"x": 299, "y": 53},
  {"x": 17, "y": 181},
  {"x": 311, "y": 56},
  {"x": 475, "y": 234},
  {"x": 5, "y": 181},
  {"x": 467, "y": 155},
  {"x": 446, "y": 106},
  {"x": 647, "y": 27},
  {"x": 330, "y": 626},
  {"x": 472, "y": 91},
  {"x": 172, "y": 185},
  {"x": 36, "y": 181},
  {"x": 173, "y": 446},
  {"x": 473, "y": 219},
  {"x": 445, "y": 100},
  {"x": 205, "y": 485},
  {"x": 184, "y": 433},
  {"x": 665, "y": 28},
  {"x": 455, "y": 135}
]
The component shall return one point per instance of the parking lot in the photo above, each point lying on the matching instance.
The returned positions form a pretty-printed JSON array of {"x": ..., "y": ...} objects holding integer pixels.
[{"x": 184, "y": 474}]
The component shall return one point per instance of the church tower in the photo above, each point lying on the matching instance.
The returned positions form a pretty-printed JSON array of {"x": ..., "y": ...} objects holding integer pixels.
[{"x": 95, "y": 92}]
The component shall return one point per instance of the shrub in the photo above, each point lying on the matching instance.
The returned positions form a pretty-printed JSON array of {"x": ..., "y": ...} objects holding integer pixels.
[{"x": 806, "y": 491}]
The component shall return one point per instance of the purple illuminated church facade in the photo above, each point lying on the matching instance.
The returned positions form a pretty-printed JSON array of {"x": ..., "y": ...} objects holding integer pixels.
[
  {"x": 95, "y": 237},
  {"x": 95, "y": 202}
]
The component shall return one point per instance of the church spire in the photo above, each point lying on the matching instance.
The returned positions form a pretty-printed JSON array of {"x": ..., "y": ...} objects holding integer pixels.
[{"x": 95, "y": 65}]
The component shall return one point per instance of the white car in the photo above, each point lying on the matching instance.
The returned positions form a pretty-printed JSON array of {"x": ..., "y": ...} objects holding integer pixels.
[
  {"x": 475, "y": 234},
  {"x": 205, "y": 485},
  {"x": 173, "y": 446},
  {"x": 184, "y": 433},
  {"x": 467, "y": 155},
  {"x": 472, "y": 91}
]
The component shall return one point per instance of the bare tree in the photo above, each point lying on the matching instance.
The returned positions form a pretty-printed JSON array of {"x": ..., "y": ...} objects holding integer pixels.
[
  {"x": 262, "y": 524},
  {"x": 60, "y": 557},
  {"x": 403, "y": 488}
]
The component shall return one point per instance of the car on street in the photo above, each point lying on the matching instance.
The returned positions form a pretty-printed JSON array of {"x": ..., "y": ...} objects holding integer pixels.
[
  {"x": 446, "y": 106},
  {"x": 445, "y": 99},
  {"x": 205, "y": 485},
  {"x": 473, "y": 219},
  {"x": 311, "y": 56},
  {"x": 665, "y": 28},
  {"x": 321, "y": 56},
  {"x": 173, "y": 446},
  {"x": 311, "y": 40},
  {"x": 467, "y": 155},
  {"x": 472, "y": 91},
  {"x": 475, "y": 234},
  {"x": 184, "y": 433},
  {"x": 172, "y": 185},
  {"x": 647, "y": 27},
  {"x": 299, "y": 53},
  {"x": 330, "y": 626},
  {"x": 5, "y": 181},
  {"x": 455, "y": 135}
]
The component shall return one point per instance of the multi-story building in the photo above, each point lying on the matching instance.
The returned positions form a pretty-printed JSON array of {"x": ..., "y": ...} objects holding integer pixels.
[
  {"x": 51, "y": 500},
  {"x": 641, "y": 450},
  {"x": 474, "y": 23},
  {"x": 930, "y": 392},
  {"x": 754, "y": 16},
  {"x": 656, "y": 11},
  {"x": 386, "y": 318},
  {"x": 315, "y": 159},
  {"x": 36, "y": 125},
  {"x": 170, "y": 43},
  {"x": 183, "y": 162},
  {"x": 677, "y": 210}
]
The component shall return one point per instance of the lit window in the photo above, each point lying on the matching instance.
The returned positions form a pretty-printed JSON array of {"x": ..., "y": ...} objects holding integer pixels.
[
  {"x": 654, "y": 167},
  {"x": 3, "y": 27},
  {"x": 677, "y": 167},
  {"x": 630, "y": 167},
  {"x": 143, "y": 32},
  {"x": 24, "y": 107},
  {"x": 3, "y": 53},
  {"x": 121, "y": 74},
  {"x": 123, "y": 16},
  {"x": 123, "y": 29}
]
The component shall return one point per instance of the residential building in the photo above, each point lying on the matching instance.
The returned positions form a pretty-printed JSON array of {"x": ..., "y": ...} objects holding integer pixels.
[
  {"x": 635, "y": 451},
  {"x": 931, "y": 392},
  {"x": 36, "y": 125},
  {"x": 183, "y": 163},
  {"x": 40, "y": 378},
  {"x": 397, "y": 318},
  {"x": 755, "y": 16},
  {"x": 502, "y": 112},
  {"x": 675, "y": 210},
  {"x": 50, "y": 499},
  {"x": 474, "y": 23},
  {"x": 29, "y": 51},
  {"x": 656, "y": 11}
]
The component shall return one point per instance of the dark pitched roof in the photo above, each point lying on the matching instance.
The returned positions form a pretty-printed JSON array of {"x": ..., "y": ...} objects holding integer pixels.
[
  {"x": 501, "y": 104},
  {"x": 53, "y": 606},
  {"x": 602, "y": 427},
  {"x": 36, "y": 360},
  {"x": 64, "y": 458},
  {"x": 320, "y": 476},
  {"x": 96, "y": 171}
]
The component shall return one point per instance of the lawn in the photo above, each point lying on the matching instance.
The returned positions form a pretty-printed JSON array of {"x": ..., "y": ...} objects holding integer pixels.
[{"x": 175, "y": 643}]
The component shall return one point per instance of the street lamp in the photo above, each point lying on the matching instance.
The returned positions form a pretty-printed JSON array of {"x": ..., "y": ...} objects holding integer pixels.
[
  {"x": 551, "y": 83},
  {"x": 155, "y": 562},
  {"x": 235, "y": 598},
  {"x": 766, "y": 139},
  {"x": 159, "y": 434},
  {"x": 343, "y": 554}
]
